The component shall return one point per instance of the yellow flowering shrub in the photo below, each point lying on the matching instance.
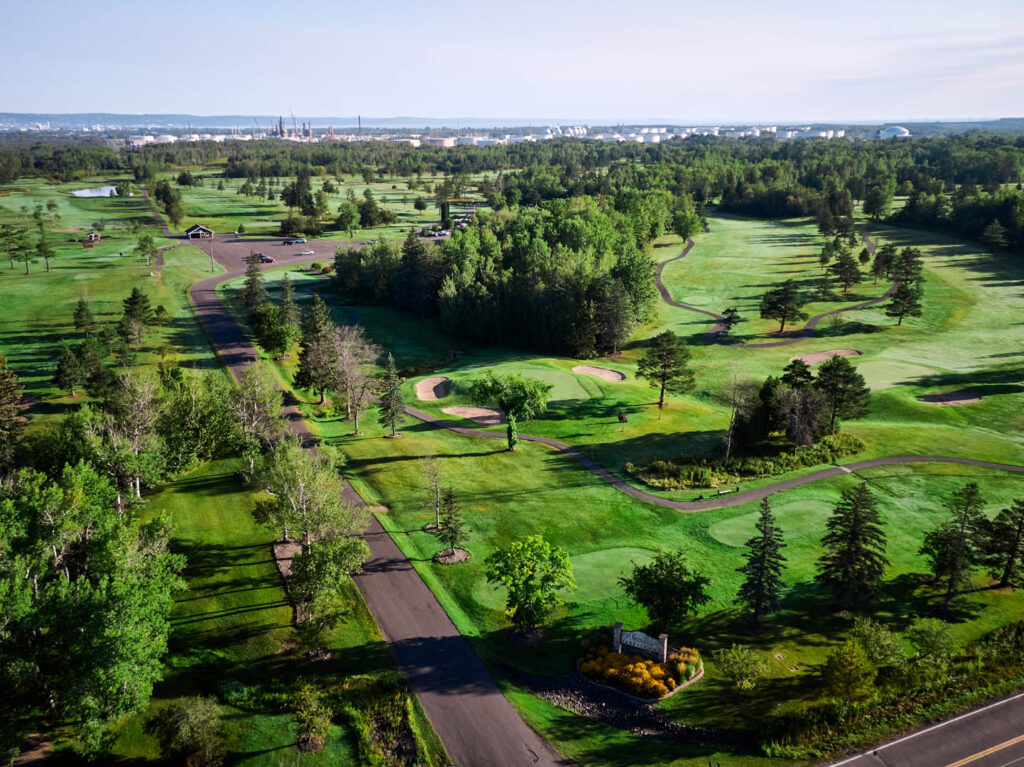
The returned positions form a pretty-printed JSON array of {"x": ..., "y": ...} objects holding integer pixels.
[{"x": 637, "y": 675}]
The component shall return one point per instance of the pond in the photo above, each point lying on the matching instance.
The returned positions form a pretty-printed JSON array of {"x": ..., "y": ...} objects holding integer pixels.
[{"x": 96, "y": 191}]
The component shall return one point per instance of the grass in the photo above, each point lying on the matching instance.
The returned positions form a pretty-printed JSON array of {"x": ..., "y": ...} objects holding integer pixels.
[
  {"x": 36, "y": 314},
  {"x": 224, "y": 210},
  {"x": 969, "y": 305},
  {"x": 232, "y": 634}
]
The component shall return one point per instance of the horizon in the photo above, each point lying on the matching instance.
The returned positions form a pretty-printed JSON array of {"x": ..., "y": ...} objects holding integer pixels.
[{"x": 743, "y": 63}]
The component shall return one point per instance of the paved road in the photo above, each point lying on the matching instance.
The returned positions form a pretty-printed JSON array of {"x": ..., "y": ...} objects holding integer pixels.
[
  {"x": 800, "y": 335},
  {"x": 476, "y": 723},
  {"x": 992, "y": 736}
]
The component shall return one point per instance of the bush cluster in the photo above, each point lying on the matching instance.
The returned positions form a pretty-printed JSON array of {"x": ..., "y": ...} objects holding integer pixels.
[
  {"x": 639, "y": 676},
  {"x": 681, "y": 473}
]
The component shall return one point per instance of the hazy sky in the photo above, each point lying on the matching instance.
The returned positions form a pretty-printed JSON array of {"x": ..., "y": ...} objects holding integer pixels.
[{"x": 716, "y": 60}]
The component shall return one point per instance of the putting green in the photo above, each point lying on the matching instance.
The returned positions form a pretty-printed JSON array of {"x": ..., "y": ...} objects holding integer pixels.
[
  {"x": 797, "y": 520},
  {"x": 697, "y": 300}
]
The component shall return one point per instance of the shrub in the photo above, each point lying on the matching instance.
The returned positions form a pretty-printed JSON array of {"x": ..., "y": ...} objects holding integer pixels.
[
  {"x": 191, "y": 730},
  {"x": 636, "y": 675},
  {"x": 741, "y": 666},
  {"x": 313, "y": 718},
  {"x": 681, "y": 473},
  {"x": 848, "y": 674}
]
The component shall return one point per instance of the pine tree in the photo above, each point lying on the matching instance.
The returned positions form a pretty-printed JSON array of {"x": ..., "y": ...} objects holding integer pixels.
[
  {"x": 906, "y": 302},
  {"x": 253, "y": 292},
  {"x": 1003, "y": 544},
  {"x": 854, "y": 560},
  {"x": 137, "y": 307},
  {"x": 665, "y": 366},
  {"x": 452, "y": 530},
  {"x": 761, "y": 588},
  {"x": 11, "y": 424},
  {"x": 784, "y": 303},
  {"x": 730, "y": 319},
  {"x": 83, "y": 317},
  {"x": 844, "y": 389},
  {"x": 392, "y": 403},
  {"x": 846, "y": 269},
  {"x": 953, "y": 549},
  {"x": 70, "y": 373},
  {"x": 318, "y": 357},
  {"x": 995, "y": 235},
  {"x": 44, "y": 251},
  {"x": 289, "y": 310},
  {"x": 907, "y": 266},
  {"x": 797, "y": 374}
]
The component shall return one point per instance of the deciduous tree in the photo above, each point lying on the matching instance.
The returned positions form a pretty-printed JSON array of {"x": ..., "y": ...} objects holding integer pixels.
[
  {"x": 518, "y": 397},
  {"x": 666, "y": 588},
  {"x": 533, "y": 572}
]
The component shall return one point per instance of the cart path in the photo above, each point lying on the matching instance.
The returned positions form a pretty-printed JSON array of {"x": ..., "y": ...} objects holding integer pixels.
[
  {"x": 474, "y": 721},
  {"x": 801, "y": 335}
]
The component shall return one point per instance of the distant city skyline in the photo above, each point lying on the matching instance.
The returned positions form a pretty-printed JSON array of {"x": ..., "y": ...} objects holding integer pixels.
[{"x": 664, "y": 61}]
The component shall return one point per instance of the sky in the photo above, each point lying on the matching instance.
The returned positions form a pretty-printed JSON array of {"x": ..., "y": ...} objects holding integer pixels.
[{"x": 716, "y": 61}]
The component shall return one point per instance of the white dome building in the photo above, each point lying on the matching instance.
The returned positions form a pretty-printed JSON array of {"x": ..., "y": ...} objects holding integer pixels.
[{"x": 894, "y": 131}]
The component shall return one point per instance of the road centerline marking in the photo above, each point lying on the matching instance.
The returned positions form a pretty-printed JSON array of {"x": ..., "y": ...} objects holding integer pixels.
[{"x": 987, "y": 752}]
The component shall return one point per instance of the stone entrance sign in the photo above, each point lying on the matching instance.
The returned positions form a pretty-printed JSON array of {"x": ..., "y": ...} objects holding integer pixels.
[{"x": 640, "y": 643}]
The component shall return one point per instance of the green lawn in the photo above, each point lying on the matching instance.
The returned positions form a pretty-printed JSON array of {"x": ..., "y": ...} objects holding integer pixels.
[
  {"x": 36, "y": 313},
  {"x": 232, "y": 634},
  {"x": 970, "y": 308},
  {"x": 223, "y": 210}
]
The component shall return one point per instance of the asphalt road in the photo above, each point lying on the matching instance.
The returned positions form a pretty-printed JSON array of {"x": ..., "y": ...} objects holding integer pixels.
[
  {"x": 992, "y": 736},
  {"x": 475, "y": 722}
]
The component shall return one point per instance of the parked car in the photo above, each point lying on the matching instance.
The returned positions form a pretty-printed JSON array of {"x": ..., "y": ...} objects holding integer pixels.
[
  {"x": 266, "y": 259},
  {"x": 288, "y": 242},
  {"x": 294, "y": 241},
  {"x": 305, "y": 253}
]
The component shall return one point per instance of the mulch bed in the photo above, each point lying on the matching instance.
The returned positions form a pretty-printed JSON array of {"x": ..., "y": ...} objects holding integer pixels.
[
  {"x": 576, "y": 693},
  {"x": 448, "y": 557}
]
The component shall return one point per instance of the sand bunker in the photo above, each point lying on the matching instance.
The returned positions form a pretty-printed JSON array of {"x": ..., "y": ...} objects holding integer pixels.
[
  {"x": 430, "y": 389},
  {"x": 950, "y": 398},
  {"x": 605, "y": 373},
  {"x": 484, "y": 416},
  {"x": 816, "y": 357}
]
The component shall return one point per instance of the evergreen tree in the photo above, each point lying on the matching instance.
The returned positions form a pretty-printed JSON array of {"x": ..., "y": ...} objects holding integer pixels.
[
  {"x": 1003, "y": 544},
  {"x": 905, "y": 302},
  {"x": 883, "y": 263},
  {"x": 854, "y": 560},
  {"x": 137, "y": 307},
  {"x": 762, "y": 587},
  {"x": 452, "y": 529},
  {"x": 954, "y": 548},
  {"x": 844, "y": 389},
  {"x": 11, "y": 424},
  {"x": 908, "y": 266},
  {"x": 254, "y": 291},
  {"x": 846, "y": 269},
  {"x": 665, "y": 366},
  {"x": 392, "y": 403},
  {"x": 83, "y": 317},
  {"x": 318, "y": 358},
  {"x": 730, "y": 319},
  {"x": 289, "y": 309},
  {"x": 70, "y": 375},
  {"x": 995, "y": 235},
  {"x": 797, "y": 374},
  {"x": 784, "y": 303}
]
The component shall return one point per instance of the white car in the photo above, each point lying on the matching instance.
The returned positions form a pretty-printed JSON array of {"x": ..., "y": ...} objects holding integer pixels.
[{"x": 306, "y": 253}]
